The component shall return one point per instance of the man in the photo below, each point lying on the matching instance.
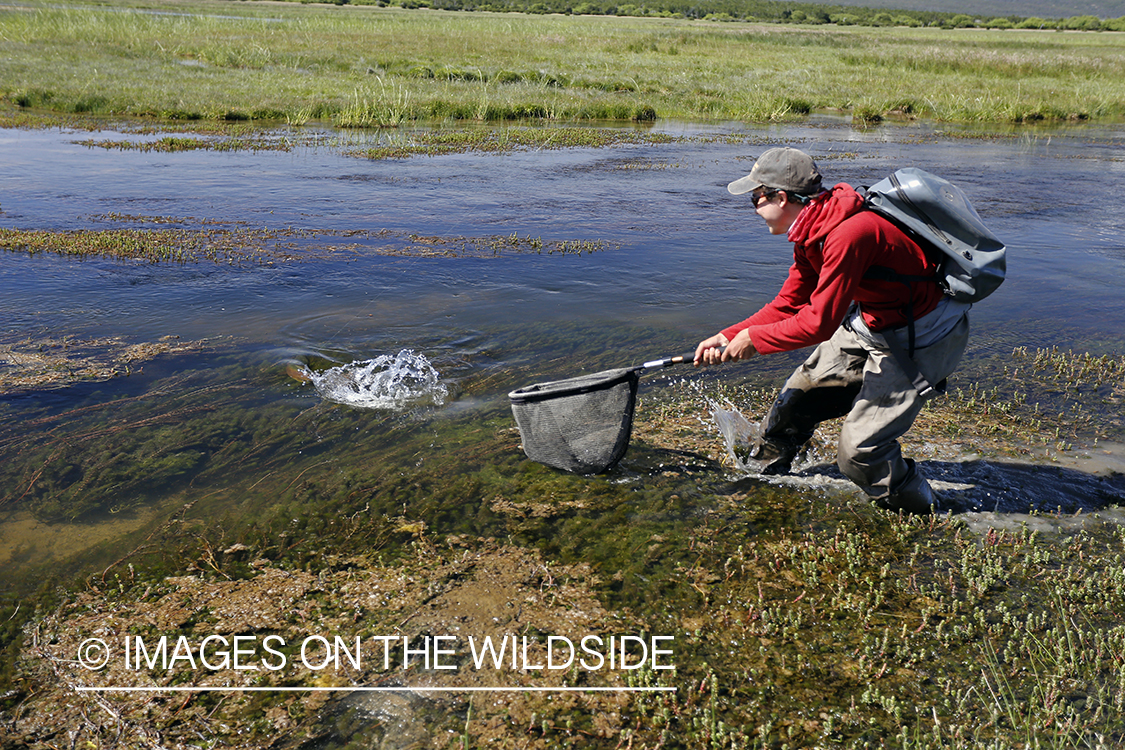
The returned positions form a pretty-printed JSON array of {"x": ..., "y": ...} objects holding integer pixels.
[{"x": 856, "y": 281}]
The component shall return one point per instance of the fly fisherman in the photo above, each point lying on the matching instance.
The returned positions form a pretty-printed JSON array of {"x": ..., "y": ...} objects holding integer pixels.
[{"x": 832, "y": 299}]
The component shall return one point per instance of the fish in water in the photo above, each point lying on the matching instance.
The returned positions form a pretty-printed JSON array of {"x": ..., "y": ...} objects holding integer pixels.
[{"x": 300, "y": 374}]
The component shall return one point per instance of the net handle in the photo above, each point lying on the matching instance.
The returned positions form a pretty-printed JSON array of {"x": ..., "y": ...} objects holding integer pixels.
[{"x": 669, "y": 361}]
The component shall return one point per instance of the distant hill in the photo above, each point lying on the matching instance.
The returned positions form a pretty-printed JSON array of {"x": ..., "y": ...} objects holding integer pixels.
[
  {"x": 1084, "y": 15},
  {"x": 991, "y": 8}
]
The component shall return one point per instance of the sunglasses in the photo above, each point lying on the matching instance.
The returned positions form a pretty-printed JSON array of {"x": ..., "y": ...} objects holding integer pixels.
[{"x": 760, "y": 193}]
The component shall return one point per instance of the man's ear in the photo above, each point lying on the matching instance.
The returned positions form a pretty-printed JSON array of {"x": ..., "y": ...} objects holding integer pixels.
[{"x": 788, "y": 202}]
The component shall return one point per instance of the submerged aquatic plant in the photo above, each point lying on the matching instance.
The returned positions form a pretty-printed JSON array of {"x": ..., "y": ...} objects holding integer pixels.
[
  {"x": 802, "y": 614},
  {"x": 39, "y": 364}
]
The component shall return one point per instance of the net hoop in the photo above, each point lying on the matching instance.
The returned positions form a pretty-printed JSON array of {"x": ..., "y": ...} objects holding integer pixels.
[
  {"x": 581, "y": 425},
  {"x": 580, "y": 385}
]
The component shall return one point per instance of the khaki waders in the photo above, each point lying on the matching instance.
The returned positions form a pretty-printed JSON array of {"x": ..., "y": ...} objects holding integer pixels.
[{"x": 853, "y": 376}]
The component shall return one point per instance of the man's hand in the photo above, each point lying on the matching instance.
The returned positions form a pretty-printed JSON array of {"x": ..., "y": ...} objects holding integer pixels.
[
  {"x": 710, "y": 351},
  {"x": 718, "y": 349},
  {"x": 740, "y": 347}
]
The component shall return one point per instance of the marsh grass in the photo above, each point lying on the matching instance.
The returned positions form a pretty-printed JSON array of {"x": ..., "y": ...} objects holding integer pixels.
[
  {"x": 176, "y": 144},
  {"x": 828, "y": 628},
  {"x": 390, "y": 143},
  {"x": 1046, "y": 400},
  {"x": 505, "y": 139},
  {"x": 220, "y": 245},
  {"x": 382, "y": 67}
]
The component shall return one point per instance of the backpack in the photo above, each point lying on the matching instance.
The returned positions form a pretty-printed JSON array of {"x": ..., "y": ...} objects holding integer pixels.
[{"x": 937, "y": 215}]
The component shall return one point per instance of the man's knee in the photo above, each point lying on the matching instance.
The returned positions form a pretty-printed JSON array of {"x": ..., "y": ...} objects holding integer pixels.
[
  {"x": 870, "y": 466},
  {"x": 854, "y": 464}
]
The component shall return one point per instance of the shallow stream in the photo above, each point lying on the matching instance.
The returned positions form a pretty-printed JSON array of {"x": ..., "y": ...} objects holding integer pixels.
[
  {"x": 464, "y": 277},
  {"x": 408, "y": 255}
]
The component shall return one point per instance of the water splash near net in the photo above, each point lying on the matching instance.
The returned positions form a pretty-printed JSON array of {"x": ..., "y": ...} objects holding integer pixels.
[
  {"x": 739, "y": 435},
  {"x": 386, "y": 382}
]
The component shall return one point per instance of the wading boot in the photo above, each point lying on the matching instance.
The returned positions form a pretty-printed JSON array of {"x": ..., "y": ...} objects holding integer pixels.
[
  {"x": 914, "y": 496},
  {"x": 793, "y": 418},
  {"x": 777, "y": 457}
]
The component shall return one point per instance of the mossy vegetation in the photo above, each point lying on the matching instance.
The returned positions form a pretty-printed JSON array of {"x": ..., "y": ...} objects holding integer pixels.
[
  {"x": 232, "y": 243},
  {"x": 802, "y": 616}
]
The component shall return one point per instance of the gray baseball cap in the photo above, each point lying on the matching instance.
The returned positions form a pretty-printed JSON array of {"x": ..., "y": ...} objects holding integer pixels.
[{"x": 784, "y": 168}]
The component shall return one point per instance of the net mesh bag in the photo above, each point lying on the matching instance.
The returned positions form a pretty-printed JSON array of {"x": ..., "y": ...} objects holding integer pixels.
[{"x": 581, "y": 425}]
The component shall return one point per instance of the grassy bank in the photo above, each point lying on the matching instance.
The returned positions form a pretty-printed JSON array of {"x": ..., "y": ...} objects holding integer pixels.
[{"x": 379, "y": 67}]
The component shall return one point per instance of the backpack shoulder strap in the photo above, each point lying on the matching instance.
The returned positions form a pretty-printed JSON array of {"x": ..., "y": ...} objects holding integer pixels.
[
  {"x": 925, "y": 389},
  {"x": 883, "y": 273}
]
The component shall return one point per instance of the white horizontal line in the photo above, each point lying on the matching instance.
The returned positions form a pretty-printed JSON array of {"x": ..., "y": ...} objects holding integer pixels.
[{"x": 361, "y": 689}]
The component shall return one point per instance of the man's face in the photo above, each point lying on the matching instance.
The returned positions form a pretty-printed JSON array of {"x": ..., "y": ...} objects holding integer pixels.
[{"x": 776, "y": 209}]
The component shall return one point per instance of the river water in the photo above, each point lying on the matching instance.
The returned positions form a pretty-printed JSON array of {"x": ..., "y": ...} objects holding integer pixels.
[{"x": 668, "y": 257}]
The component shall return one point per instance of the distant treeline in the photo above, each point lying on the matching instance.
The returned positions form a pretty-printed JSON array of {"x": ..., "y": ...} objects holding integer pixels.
[{"x": 770, "y": 11}]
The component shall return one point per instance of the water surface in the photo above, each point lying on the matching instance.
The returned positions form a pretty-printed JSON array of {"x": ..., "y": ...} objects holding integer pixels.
[{"x": 675, "y": 259}]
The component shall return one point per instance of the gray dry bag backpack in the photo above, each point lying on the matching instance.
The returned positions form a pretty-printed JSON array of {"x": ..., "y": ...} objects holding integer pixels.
[{"x": 938, "y": 215}]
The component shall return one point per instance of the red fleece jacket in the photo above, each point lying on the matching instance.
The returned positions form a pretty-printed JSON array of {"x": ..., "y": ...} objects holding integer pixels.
[{"x": 834, "y": 245}]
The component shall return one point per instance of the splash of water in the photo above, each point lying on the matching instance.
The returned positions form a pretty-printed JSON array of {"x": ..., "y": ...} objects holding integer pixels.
[
  {"x": 386, "y": 382},
  {"x": 739, "y": 435},
  {"x": 986, "y": 493}
]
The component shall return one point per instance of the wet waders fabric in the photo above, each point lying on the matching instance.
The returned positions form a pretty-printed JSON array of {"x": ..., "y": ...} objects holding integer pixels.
[{"x": 849, "y": 375}]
